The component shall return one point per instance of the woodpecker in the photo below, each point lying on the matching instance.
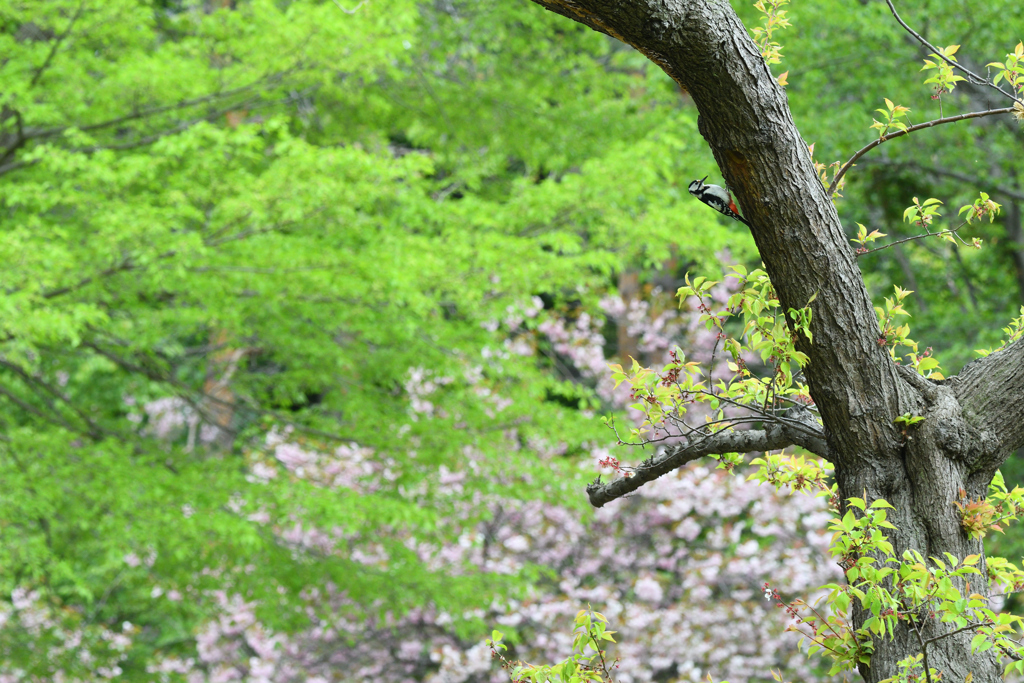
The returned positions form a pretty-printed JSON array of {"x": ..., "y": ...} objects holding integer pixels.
[{"x": 718, "y": 198}]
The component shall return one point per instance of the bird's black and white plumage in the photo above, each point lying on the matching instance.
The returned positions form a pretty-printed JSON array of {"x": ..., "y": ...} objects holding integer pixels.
[{"x": 717, "y": 197}]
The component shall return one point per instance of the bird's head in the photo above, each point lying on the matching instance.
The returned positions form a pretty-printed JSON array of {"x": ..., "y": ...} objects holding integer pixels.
[{"x": 697, "y": 185}]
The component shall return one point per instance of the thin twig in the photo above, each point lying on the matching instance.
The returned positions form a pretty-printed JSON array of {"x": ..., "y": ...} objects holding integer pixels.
[
  {"x": 769, "y": 417},
  {"x": 251, "y": 103},
  {"x": 924, "y": 646},
  {"x": 823, "y": 620},
  {"x": 121, "y": 267},
  {"x": 56, "y": 45},
  {"x": 59, "y": 421},
  {"x": 140, "y": 142},
  {"x": 15, "y": 165},
  {"x": 129, "y": 265},
  {"x": 973, "y": 78},
  {"x": 917, "y": 237},
  {"x": 152, "y": 111},
  {"x": 185, "y": 391},
  {"x": 95, "y": 431},
  {"x": 969, "y": 627},
  {"x": 885, "y": 138}
]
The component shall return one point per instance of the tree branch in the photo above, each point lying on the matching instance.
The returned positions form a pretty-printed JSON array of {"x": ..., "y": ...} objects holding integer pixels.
[
  {"x": 26, "y": 135},
  {"x": 573, "y": 10},
  {"x": 807, "y": 433},
  {"x": 15, "y": 165},
  {"x": 972, "y": 77},
  {"x": 55, "y": 419},
  {"x": 745, "y": 119},
  {"x": 19, "y": 133},
  {"x": 885, "y": 138},
  {"x": 128, "y": 264},
  {"x": 56, "y": 45},
  {"x": 952, "y": 231},
  {"x": 988, "y": 390},
  {"x": 153, "y": 111},
  {"x": 94, "y": 431},
  {"x": 185, "y": 393}
]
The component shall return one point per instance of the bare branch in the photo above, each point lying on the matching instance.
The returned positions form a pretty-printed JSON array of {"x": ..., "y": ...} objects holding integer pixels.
[
  {"x": 924, "y": 648},
  {"x": 805, "y": 431},
  {"x": 910, "y": 129},
  {"x": 969, "y": 627},
  {"x": 579, "y": 14}
]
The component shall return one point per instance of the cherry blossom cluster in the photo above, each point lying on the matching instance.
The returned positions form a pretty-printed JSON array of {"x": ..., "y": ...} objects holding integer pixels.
[{"x": 678, "y": 572}]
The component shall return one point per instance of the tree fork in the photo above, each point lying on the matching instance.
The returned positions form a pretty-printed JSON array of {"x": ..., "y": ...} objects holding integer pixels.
[{"x": 745, "y": 118}]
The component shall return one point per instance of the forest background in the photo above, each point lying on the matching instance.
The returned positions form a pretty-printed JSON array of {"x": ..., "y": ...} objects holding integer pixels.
[{"x": 306, "y": 311}]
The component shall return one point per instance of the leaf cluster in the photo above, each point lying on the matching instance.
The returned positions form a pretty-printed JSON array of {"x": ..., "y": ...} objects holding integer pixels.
[
  {"x": 587, "y": 662},
  {"x": 663, "y": 396},
  {"x": 773, "y": 18}
]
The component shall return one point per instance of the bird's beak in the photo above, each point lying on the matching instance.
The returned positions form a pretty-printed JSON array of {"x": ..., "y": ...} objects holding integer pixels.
[{"x": 703, "y": 179}]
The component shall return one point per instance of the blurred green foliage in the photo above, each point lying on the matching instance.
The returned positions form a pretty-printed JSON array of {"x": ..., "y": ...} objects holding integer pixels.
[
  {"x": 270, "y": 215},
  {"x": 273, "y": 212}
]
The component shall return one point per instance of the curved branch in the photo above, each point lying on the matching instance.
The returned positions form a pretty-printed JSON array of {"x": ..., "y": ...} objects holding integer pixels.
[
  {"x": 572, "y": 10},
  {"x": 15, "y": 165},
  {"x": 56, "y": 45},
  {"x": 806, "y": 433},
  {"x": 162, "y": 109},
  {"x": 953, "y": 232},
  {"x": 972, "y": 77},
  {"x": 910, "y": 129},
  {"x": 744, "y": 117},
  {"x": 186, "y": 393}
]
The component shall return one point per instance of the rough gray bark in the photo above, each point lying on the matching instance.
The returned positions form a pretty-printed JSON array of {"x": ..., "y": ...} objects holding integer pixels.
[{"x": 970, "y": 425}]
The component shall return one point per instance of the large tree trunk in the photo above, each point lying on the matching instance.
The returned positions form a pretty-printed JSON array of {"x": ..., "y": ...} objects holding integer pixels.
[{"x": 970, "y": 427}]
